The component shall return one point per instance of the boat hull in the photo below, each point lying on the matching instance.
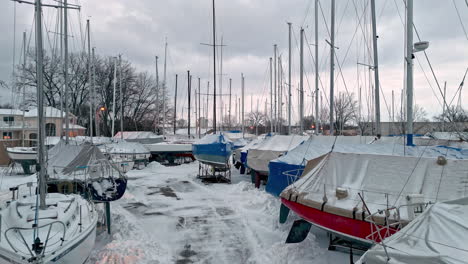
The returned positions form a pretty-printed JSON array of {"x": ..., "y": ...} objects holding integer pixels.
[
  {"x": 25, "y": 158},
  {"x": 120, "y": 185},
  {"x": 353, "y": 230},
  {"x": 75, "y": 248},
  {"x": 213, "y": 160}
]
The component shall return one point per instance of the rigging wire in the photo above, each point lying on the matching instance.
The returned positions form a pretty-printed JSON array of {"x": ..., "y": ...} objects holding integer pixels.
[{"x": 460, "y": 19}]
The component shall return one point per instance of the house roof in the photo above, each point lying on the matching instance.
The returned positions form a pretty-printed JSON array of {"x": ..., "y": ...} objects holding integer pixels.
[
  {"x": 49, "y": 112},
  {"x": 10, "y": 112},
  {"x": 74, "y": 127}
]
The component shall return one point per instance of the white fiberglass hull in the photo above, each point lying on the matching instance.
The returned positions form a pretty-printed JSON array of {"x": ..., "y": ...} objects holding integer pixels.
[
  {"x": 66, "y": 229},
  {"x": 22, "y": 154},
  {"x": 77, "y": 252}
]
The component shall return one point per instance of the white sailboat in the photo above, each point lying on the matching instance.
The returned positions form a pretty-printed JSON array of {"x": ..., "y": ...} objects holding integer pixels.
[{"x": 42, "y": 227}]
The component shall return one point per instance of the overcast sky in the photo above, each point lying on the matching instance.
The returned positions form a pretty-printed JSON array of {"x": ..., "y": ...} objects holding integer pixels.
[{"x": 249, "y": 28}]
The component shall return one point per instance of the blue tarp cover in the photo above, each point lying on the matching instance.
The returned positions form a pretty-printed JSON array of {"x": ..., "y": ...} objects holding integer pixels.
[{"x": 213, "y": 145}]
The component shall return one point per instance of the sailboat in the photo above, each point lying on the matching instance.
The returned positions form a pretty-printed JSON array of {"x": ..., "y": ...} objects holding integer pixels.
[
  {"x": 25, "y": 156},
  {"x": 83, "y": 169},
  {"x": 45, "y": 227},
  {"x": 365, "y": 198},
  {"x": 213, "y": 150}
]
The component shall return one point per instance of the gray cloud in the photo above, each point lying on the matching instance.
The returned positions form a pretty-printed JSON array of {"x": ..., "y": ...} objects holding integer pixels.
[{"x": 137, "y": 29}]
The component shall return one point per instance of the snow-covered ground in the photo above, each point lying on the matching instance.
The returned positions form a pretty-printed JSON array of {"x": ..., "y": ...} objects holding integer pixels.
[{"x": 169, "y": 216}]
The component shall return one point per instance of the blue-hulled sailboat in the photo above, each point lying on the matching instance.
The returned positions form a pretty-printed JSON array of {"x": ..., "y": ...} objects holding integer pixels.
[{"x": 213, "y": 150}]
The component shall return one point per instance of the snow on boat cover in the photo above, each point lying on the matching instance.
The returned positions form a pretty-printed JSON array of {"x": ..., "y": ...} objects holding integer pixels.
[
  {"x": 288, "y": 168},
  {"x": 438, "y": 235},
  {"x": 333, "y": 186},
  {"x": 271, "y": 148},
  {"x": 212, "y": 149}
]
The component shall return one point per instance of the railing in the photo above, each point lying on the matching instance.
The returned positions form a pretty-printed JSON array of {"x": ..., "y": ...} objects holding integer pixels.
[
  {"x": 15, "y": 124},
  {"x": 37, "y": 249},
  {"x": 392, "y": 224}
]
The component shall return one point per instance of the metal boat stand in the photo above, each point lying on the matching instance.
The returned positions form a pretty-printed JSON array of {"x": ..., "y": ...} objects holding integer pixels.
[
  {"x": 214, "y": 174},
  {"x": 340, "y": 244}
]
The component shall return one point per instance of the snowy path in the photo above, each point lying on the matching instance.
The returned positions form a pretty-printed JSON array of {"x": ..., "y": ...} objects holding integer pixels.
[{"x": 169, "y": 216}]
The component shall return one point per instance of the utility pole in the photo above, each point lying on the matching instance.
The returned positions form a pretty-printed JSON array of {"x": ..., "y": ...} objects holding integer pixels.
[
  {"x": 317, "y": 124},
  {"x": 376, "y": 69},
  {"x": 189, "y": 92},
  {"x": 164, "y": 89},
  {"x": 289, "y": 80},
  {"x": 175, "y": 105},
  {"x": 89, "y": 81},
  {"x": 332, "y": 65},
  {"x": 121, "y": 97},
  {"x": 243, "y": 99},
  {"x": 301, "y": 84},
  {"x": 271, "y": 95},
  {"x": 275, "y": 86}
]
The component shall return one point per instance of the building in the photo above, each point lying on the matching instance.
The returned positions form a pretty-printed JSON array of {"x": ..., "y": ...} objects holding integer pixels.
[
  {"x": 16, "y": 126},
  {"x": 421, "y": 128}
]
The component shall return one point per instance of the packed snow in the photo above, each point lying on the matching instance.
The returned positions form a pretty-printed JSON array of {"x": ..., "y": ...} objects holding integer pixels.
[{"x": 168, "y": 215}]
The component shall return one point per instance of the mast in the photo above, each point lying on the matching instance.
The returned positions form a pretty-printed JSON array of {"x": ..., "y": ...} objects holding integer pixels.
[
  {"x": 443, "y": 107},
  {"x": 221, "y": 82},
  {"x": 113, "y": 97},
  {"x": 332, "y": 65},
  {"x": 243, "y": 99},
  {"x": 214, "y": 68},
  {"x": 158, "y": 114},
  {"x": 196, "y": 107},
  {"x": 289, "y": 80},
  {"x": 189, "y": 92},
  {"x": 317, "y": 124},
  {"x": 275, "y": 86},
  {"x": 175, "y": 105},
  {"x": 271, "y": 95},
  {"x": 121, "y": 97},
  {"x": 89, "y": 80},
  {"x": 199, "y": 110},
  {"x": 62, "y": 87},
  {"x": 24, "y": 87},
  {"x": 93, "y": 85},
  {"x": 164, "y": 89},
  {"x": 40, "y": 107},
  {"x": 230, "y": 101},
  {"x": 393, "y": 110},
  {"x": 376, "y": 69},
  {"x": 280, "y": 96},
  {"x": 301, "y": 83},
  {"x": 207, "y": 103},
  {"x": 409, "y": 71},
  {"x": 65, "y": 68}
]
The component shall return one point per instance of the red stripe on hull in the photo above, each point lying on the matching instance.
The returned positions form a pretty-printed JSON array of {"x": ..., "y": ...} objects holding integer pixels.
[{"x": 352, "y": 228}]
